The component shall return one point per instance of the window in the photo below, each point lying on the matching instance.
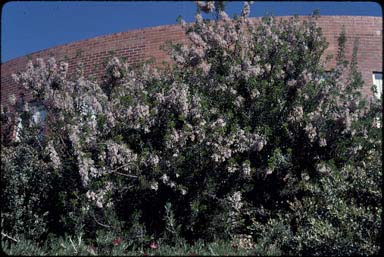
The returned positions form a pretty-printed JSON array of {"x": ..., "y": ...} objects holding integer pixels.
[
  {"x": 39, "y": 114},
  {"x": 19, "y": 128},
  {"x": 378, "y": 82}
]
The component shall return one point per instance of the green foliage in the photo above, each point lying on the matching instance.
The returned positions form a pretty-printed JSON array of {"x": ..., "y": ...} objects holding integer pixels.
[
  {"x": 26, "y": 183},
  {"x": 172, "y": 230}
]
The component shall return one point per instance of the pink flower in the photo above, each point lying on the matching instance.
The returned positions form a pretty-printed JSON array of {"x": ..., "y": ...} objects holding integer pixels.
[
  {"x": 224, "y": 16},
  {"x": 246, "y": 10},
  {"x": 153, "y": 245},
  {"x": 206, "y": 7},
  {"x": 117, "y": 241}
]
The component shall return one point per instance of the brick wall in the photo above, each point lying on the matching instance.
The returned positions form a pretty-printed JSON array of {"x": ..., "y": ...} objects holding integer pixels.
[{"x": 143, "y": 44}]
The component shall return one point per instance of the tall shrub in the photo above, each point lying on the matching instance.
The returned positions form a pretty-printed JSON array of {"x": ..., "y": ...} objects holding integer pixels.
[{"x": 246, "y": 134}]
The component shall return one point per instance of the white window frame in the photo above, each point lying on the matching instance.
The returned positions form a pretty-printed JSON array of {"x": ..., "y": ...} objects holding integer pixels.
[
  {"x": 39, "y": 114},
  {"x": 378, "y": 83},
  {"x": 37, "y": 118},
  {"x": 379, "y": 90},
  {"x": 19, "y": 127}
]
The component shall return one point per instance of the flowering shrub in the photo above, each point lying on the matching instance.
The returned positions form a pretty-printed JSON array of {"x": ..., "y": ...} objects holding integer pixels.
[{"x": 243, "y": 136}]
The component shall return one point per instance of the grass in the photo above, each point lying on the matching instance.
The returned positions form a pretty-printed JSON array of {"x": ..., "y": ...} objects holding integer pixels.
[{"x": 77, "y": 246}]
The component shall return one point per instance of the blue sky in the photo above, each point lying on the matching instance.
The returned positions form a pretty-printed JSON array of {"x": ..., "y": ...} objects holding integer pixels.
[{"x": 27, "y": 27}]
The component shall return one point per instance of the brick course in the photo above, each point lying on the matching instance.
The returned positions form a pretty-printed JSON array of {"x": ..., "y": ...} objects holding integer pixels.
[{"x": 143, "y": 44}]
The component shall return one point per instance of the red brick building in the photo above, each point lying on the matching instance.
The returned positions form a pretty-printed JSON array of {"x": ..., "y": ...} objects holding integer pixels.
[{"x": 142, "y": 44}]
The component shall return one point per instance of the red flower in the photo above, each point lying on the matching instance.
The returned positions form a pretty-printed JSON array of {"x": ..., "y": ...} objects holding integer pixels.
[{"x": 117, "y": 241}]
